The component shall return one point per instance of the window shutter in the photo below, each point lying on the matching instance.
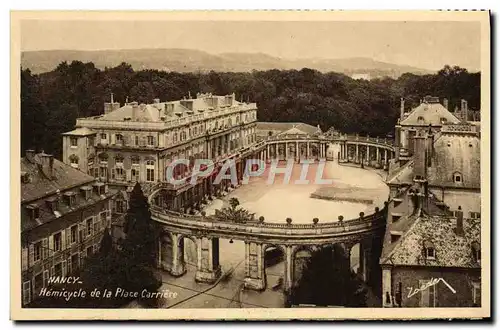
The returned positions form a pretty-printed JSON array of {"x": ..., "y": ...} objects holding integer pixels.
[
  {"x": 51, "y": 245},
  {"x": 26, "y": 292},
  {"x": 31, "y": 254},
  {"x": 63, "y": 240},
  {"x": 45, "y": 277},
  {"x": 45, "y": 248},
  {"x": 68, "y": 237},
  {"x": 69, "y": 266},
  {"x": 63, "y": 263},
  {"x": 24, "y": 258}
]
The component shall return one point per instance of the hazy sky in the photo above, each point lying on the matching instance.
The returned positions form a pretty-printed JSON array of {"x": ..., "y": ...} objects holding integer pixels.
[{"x": 428, "y": 45}]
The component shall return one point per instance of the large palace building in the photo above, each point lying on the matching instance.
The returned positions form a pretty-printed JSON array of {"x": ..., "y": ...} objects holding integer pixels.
[{"x": 136, "y": 142}]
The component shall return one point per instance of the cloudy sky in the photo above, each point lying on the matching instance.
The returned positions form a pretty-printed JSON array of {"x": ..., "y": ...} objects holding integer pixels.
[{"x": 425, "y": 44}]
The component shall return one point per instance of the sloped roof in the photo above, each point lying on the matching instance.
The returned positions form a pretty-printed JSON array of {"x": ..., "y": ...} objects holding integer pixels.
[
  {"x": 403, "y": 175},
  {"x": 146, "y": 112},
  {"x": 431, "y": 114},
  {"x": 64, "y": 177},
  {"x": 282, "y": 127},
  {"x": 81, "y": 131},
  {"x": 452, "y": 250}
]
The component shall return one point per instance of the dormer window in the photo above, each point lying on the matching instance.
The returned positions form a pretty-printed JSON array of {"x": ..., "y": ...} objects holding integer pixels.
[
  {"x": 429, "y": 250},
  {"x": 52, "y": 203},
  {"x": 420, "y": 120},
  {"x": 73, "y": 160},
  {"x": 34, "y": 211},
  {"x": 86, "y": 192},
  {"x": 457, "y": 177},
  {"x": 70, "y": 197}
]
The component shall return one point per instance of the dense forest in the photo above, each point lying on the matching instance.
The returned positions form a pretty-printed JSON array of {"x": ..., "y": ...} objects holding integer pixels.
[{"x": 51, "y": 102}]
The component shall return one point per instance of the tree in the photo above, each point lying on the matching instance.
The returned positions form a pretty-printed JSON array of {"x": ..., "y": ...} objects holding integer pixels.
[
  {"x": 234, "y": 213},
  {"x": 327, "y": 280},
  {"x": 141, "y": 234}
]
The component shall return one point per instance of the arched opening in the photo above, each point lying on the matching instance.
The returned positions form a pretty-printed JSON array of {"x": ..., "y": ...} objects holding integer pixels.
[
  {"x": 188, "y": 250},
  {"x": 274, "y": 267},
  {"x": 356, "y": 259},
  {"x": 300, "y": 260}
]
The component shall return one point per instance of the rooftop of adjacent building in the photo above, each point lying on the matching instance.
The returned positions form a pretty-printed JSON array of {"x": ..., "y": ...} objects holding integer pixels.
[
  {"x": 453, "y": 247},
  {"x": 429, "y": 112},
  {"x": 456, "y": 150},
  {"x": 164, "y": 111},
  {"x": 287, "y": 128},
  {"x": 51, "y": 189}
]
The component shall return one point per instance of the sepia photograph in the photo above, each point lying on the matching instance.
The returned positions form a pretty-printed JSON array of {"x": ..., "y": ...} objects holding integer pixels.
[{"x": 241, "y": 165}]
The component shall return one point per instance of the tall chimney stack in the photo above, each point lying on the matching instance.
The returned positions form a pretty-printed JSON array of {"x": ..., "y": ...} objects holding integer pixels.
[
  {"x": 445, "y": 103},
  {"x": 459, "y": 230},
  {"x": 47, "y": 164},
  {"x": 430, "y": 146},
  {"x": 397, "y": 142},
  {"x": 402, "y": 110},
  {"x": 420, "y": 166},
  {"x": 465, "y": 112}
]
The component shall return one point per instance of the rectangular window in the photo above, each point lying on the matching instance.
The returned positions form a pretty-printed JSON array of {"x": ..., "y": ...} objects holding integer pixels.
[
  {"x": 119, "y": 139},
  {"x": 135, "y": 175},
  {"x": 151, "y": 140},
  {"x": 38, "y": 251},
  {"x": 38, "y": 282},
  {"x": 57, "y": 242},
  {"x": 103, "y": 136},
  {"x": 136, "y": 140},
  {"x": 119, "y": 207},
  {"x": 475, "y": 215},
  {"x": 150, "y": 175},
  {"x": 58, "y": 269},
  {"x": 74, "y": 234},
  {"x": 89, "y": 224},
  {"x": 75, "y": 262},
  {"x": 73, "y": 141}
]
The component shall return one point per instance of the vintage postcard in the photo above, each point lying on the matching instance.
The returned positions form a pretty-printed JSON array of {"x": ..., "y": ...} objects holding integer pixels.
[{"x": 251, "y": 165}]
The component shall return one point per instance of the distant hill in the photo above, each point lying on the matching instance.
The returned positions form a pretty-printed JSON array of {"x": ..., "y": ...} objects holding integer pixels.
[{"x": 188, "y": 60}]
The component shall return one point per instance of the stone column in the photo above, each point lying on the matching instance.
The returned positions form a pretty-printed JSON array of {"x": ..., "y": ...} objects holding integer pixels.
[
  {"x": 378, "y": 155},
  {"x": 297, "y": 152},
  {"x": 286, "y": 151},
  {"x": 267, "y": 154},
  {"x": 288, "y": 268},
  {"x": 368, "y": 154},
  {"x": 357, "y": 153},
  {"x": 178, "y": 265},
  {"x": 307, "y": 155},
  {"x": 254, "y": 266},
  {"x": 208, "y": 267},
  {"x": 385, "y": 156}
]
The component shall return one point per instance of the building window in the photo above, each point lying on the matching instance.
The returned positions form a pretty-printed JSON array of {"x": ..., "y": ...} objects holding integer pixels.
[
  {"x": 90, "y": 141},
  {"x": 73, "y": 141},
  {"x": 75, "y": 262},
  {"x": 443, "y": 120},
  {"x": 103, "y": 136},
  {"x": 175, "y": 137},
  {"x": 34, "y": 211},
  {"x": 429, "y": 250},
  {"x": 37, "y": 251},
  {"x": 90, "y": 250},
  {"x": 88, "y": 223},
  {"x": 135, "y": 160},
  {"x": 57, "y": 242},
  {"x": 457, "y": 178},
  {"x": 119, "y": 139},
  {"x": 136, "y": 140},
  {"x": 420, "y": 120},
  {"x": 38, "y": 282},
  {"x": 74, "y": 234},
  {"x": 428, "y": 297},
  {"x": 475, "y": 215},
  {"x": 102, "y": 217},
  {"x": 150, "y": 171},
  {"x": 151, "y": 140},
  {"x": 135, "y": 174},
  {"x": 73, "y": 159},
  {"x": 58, "y": 271},
  {"x": 119, "y": 207}
]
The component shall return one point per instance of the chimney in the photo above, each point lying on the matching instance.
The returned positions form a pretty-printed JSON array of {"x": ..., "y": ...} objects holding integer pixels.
[
  {"x": 459, "y": 230},
  {"x": 402, "y": 108},
  {"x": 445, "y": 103},
  {"x": 420, "y": 168},
  {"x": 111, "y": 106},
  {"x": 47, "y": 164},
  {"x": 30, "y": 155},
  {"x": 464, "y": 110},
  {"x": 135, "y": 110},
  {"x": 430, "y": 146},
  {"x": 397, "y": 142}
]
